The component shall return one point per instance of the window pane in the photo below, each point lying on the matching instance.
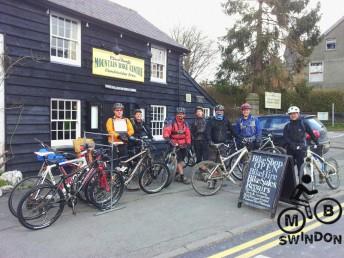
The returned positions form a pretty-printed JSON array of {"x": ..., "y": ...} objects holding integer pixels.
[
  {"x": 60, "y": 125},
  {"x": 54, "y": 25},
  {"x": 54, "y": 115},
  {"x": 73, "y": 135},
  {"x": 54, "y": 135},
  {"x": 60, "y": 47},
  {"x": 73, "y": 46},
  {"x": 67, "y": 135},
  {"x": 61, "y": 27},
  {"x": 66, "y": 126},
  {"x": 60, "y": 135},
  {"x": 74, "y": 115},
  {"x": 66, "y": 52},
  {"x": 74, "y": 105},
  {"x": 68, "y": 105},
  {"x": 53, "y": 126},
  {"x": 68, "y": 28},
  {"x": 73, "y": 125},
  {"x": 54, "y": 104},
  {"x": 53, "y": 46},
  {"x": 74, "y": 30}
]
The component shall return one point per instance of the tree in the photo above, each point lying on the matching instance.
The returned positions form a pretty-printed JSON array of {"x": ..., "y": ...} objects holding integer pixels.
[
  {"x": 202, "y": 50},
  {"x": 252, "y": 49}
]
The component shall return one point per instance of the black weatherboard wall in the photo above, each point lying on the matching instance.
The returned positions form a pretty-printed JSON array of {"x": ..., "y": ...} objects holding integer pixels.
[{"x": 33, "y": 83}]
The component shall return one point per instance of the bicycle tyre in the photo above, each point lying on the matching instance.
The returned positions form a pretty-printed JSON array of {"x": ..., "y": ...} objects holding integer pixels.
[
  {"x": 53, "y": 193},
  {"x": 149, "y": 175},
  {"x": 332, "y": 177},
  {"x": 305, "y": 169},
  {"x": 171, "y": 163},
  {"x": 200, "y": 180},
  {"x": 276, "y": 149},
  {"x": 23, "y": 184},
  {"x": 100, "y": 196}
]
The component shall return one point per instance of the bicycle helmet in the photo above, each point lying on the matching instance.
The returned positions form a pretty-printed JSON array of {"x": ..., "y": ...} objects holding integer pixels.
[
  {"x": 180, "y": 110},
  {"x": 293, "y": 109},
  {"x": 219, "y": 107},
  {"x": 118, "y": 106},
  {"x": 198, "y": 108},
  {"x": 137, "y": 111},
  {"x": 245, "y": 106}
]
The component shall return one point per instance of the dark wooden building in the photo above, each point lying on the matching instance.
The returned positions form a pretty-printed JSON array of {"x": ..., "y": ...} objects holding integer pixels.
[{"x": 68, "y": 61}]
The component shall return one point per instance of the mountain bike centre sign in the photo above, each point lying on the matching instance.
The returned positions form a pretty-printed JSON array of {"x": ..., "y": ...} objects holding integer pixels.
[
  {"x": 273, "y": 100},
  {"x": 106, "y": 63},
  {"x": 268, "y": 177}
]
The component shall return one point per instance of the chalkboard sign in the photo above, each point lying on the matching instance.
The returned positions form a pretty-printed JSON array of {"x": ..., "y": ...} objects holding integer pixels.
[{"x": 264, "y": 180}]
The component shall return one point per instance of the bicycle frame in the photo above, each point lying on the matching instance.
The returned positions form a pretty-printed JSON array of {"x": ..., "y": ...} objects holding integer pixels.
[
  {"x": 227, "y": 173},
  {"x": 311, "y": 158},
  {"x": 266, "y": 141}
]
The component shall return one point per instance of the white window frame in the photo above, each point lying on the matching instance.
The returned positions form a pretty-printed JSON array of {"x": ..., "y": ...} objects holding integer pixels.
[
  {"x": 59, "y": 143},
  {"x": 206, "y": 112},
  {"x": 162, "y": 121},
  {"x": 62, "y": 60},
  {"x": 164, "y": 63},
  {"x": 313, "y": 72},
  {"x": 329, "y": 41}
]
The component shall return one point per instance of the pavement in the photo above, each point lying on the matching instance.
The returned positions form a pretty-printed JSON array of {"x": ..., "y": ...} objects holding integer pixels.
[{"x": 168, "y": 224}]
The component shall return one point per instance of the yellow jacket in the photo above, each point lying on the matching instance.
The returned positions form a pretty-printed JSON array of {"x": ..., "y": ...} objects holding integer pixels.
[{"x": 114, "y": 136}]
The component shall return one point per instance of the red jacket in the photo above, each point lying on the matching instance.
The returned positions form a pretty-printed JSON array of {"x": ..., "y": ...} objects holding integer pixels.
[{"x": 177, "y": 132}]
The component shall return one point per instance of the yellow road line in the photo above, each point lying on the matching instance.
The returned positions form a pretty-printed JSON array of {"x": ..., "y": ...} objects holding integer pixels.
[
  {"x": 260, "y": 239},
  {"x": 276, "y": 242}
]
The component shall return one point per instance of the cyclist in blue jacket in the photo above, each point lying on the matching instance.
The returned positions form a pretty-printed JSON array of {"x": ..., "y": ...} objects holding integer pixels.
[{"x": 248, "y": 128}]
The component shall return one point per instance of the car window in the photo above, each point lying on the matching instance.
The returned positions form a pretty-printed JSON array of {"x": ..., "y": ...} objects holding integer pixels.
[
  {"x": 264, "y": 122},
  {"x": 314, "y": 123},
  {"x": 279, "y": 122}
]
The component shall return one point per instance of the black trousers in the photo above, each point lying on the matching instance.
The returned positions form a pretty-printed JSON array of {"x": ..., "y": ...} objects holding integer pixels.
[
  {"x": 201, "y": 150},
  {"x": 120, "y": 151},
  {"x": 298, "y": 155}
]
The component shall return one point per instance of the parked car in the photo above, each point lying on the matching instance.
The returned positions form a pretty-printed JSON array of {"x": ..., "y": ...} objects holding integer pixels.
[{"x": 275, "y": 124}]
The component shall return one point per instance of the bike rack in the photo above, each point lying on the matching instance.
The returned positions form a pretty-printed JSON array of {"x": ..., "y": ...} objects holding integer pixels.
[{"x": 111, "y": 148}]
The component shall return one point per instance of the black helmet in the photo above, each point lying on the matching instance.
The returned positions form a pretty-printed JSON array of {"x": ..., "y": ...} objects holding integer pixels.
[
  {"x": 137, "y": 111},
  {"x": 219, "y": 107},
  {"x": 118, "y": 106},
  {"x": 180, "y": 110},
  {"x": 198, "y": 108}
]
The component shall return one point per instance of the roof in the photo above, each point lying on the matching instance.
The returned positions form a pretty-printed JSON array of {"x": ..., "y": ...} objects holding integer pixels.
[
  {"x": 120, "y": 16},
  {"x": 333, "y": 26},
  {"x": 197, "y": 86}
]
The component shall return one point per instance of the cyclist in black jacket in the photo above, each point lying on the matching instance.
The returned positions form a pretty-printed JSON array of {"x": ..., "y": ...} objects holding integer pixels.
[
  {"x": 294, "y": 134},
  {"x": 198, "y": 133},
  {"x": 140, "y": 130}
]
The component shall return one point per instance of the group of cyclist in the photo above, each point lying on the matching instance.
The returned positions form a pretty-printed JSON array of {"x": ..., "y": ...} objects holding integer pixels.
[{"x": 203, "y": 133}]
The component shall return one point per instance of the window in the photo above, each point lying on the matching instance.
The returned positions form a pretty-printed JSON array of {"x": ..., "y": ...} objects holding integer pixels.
[
  {"x": 158, "y": 65},
  {"x": 65, "y": 121},
  {"x": 65, "y": 40},
  {"x": 157, "y": 122},
  {"x": 316, "y": 72},
  {"x": 206, "y": 112},
  {"x": 330, "y": 44},
  {"x": 94, "y": 117}
]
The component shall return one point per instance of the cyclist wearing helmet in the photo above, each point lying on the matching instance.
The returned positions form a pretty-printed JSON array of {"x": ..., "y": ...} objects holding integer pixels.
[
  {"x": 294, "y": 134},
  {"x": 198, "y": 132},
  {"x": 219, "y": 128},
  {"x": 178, "y": 132},
  {"x": 119, "y": 129},
  {"x": 248, "y": 127}
]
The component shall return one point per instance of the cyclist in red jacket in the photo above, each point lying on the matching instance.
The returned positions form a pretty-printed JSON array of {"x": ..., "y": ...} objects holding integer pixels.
[{"x": 178, "y": 132}]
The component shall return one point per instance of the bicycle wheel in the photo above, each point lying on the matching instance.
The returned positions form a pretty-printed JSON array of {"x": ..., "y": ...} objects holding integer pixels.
[
  {"x": 205, "y": 181},
  {"x": 20, "y": 189},
  {"x": 41, "y": 206},
  {"x": 332, "y": 173},
  {"x": 276, "y": 149},
  {"x": 154, "y": 178},
  {"x": 238, "y": 171},
  {"x": 171, "y": 163},
  {"x": 307, "y": 170},
  {"x": 100, "y": 190},
  {"x": 190, "y": 159}
]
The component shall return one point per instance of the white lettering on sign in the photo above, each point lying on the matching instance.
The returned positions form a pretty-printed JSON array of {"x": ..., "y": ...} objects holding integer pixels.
[{"x": 119, "y": 88}]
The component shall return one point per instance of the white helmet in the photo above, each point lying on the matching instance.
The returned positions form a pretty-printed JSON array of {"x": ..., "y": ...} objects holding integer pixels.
[{"x": 293, "y": 109}]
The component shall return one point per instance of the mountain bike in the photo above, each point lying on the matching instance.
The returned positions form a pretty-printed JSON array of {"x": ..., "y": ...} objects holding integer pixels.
[
  {"x": 326, "y": 168},
  {"x": 153, "y": 176},
  {"x": 51, "y": 161},
  {"x": 190, "y": 158},
  {"x": 42, "y": 205},
  {"x": 207, "y": 176},
  {"x": 268, "y": 145}
]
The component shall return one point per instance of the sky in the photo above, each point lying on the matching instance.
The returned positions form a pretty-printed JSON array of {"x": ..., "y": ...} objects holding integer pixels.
[{"x": 208, "y": 16}]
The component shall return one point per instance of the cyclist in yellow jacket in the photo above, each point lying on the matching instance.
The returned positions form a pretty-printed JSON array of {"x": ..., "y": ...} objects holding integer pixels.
[{"x": 119, "y": 129}]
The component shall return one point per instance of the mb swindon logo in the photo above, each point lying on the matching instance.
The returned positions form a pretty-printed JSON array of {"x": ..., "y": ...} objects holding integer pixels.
[{"x": 292, "y": 221}]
